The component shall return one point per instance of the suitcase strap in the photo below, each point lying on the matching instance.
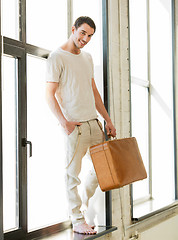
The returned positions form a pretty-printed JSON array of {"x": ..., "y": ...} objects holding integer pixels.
[{"x": 101, "y": 127}]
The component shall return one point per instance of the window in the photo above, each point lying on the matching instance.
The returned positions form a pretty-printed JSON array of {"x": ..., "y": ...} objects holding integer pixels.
[
  {"x": 34, "y": 191},
  {"x": 152, "y": 102}
]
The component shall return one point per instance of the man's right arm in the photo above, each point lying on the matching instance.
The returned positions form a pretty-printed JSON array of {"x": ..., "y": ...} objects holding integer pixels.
[{"x": 51, "y": 88}]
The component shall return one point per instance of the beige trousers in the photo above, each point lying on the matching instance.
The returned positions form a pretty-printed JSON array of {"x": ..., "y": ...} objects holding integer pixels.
[{"x": 91, "y": 134}]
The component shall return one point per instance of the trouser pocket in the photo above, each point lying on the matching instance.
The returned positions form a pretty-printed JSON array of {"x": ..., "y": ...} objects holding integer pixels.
[{"x": 73, "y": 142}]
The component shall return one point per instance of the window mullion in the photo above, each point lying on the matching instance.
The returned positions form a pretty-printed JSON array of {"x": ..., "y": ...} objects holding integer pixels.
[
  {"x": 1, "y": 173},
  {"x": 174, "y": 95},
  {"x": 69, "y": 16},
  {"x": 149, "y": 102},
  {"x": 22, "y": 20}
]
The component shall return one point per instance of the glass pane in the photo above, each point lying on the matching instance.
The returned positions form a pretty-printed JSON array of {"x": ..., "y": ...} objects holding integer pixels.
[
  {"x": 10, "y": 18},
  {"x": 139, "y": 95},
  {"x": 47, "y": 203},
  {"x": 162, "y": 145},
  {"x": 140, "y": 131},
  {"x": 138, "y": 38},
  {"x": 46, "y": 23},
  {"x": 9, "y": 113},
  {"x": 162, "y": 105},
  {"x": 95, "y": 48}
]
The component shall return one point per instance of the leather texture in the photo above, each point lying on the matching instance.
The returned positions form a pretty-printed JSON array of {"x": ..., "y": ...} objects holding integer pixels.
[{"x": 117, "y": 163}]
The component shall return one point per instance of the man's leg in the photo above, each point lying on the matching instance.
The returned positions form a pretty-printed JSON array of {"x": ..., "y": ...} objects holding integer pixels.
[
  {"x": 91, "y": 182},
  {"x": 72, "y": 181}
]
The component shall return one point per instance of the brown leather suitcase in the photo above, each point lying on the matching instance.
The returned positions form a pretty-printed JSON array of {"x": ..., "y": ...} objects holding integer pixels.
[{"x": 117, "y": 163}]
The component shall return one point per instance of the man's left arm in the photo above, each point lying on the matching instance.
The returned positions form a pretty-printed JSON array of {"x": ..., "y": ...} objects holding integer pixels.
[{"x": 102, "y": 110}]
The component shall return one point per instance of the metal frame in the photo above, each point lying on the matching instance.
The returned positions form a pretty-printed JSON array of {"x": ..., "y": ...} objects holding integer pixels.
[
  {"x": 149, "y": 103},
  {"x": 131, "y": 187},
  {"x": 22, "y": 20},
  {"x": 19, "y": 49},
  {"x": 69, "y": 16},
  {"x": 19, "y": 54},
  {"x": 1, "y": 166},
  {"x": 108, "y": 195},
  {"x": 174, "y": 97}
]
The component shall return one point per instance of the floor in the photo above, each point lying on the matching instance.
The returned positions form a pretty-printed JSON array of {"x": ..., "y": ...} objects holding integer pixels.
[{"x": 70, "y": 235}]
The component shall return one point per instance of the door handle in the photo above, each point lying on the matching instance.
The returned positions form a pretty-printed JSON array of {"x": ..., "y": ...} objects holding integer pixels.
[{"x": 24, "y": 144}]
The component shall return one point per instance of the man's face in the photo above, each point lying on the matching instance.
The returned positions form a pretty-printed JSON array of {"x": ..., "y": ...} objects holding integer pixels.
[{"x": 82, "y": 35}]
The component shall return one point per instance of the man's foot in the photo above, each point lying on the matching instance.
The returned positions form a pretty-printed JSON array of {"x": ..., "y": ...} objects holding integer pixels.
[
  {"x": 92, "y": 226},
  {"x": 84, "y": 228}
]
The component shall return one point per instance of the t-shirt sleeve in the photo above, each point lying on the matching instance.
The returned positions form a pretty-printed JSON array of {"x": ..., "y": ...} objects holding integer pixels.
[{"x": 53, "y": 69}]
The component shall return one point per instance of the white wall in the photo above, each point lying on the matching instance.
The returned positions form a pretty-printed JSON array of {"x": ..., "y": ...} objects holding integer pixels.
[{"x": 164, "y": 231}]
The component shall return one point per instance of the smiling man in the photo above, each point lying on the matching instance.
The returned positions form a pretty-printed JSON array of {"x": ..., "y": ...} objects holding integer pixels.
[{"x": 73, "y": 97}]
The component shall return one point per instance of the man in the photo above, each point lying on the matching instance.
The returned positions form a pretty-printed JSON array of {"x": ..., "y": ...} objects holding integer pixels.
[{"x": 73, "y": 97}]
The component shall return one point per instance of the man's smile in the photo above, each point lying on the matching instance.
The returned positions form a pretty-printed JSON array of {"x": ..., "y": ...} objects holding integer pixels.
[{"x": 82, "y": 43}]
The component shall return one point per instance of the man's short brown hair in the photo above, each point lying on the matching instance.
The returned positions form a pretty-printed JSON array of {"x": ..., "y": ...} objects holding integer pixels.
[{"x": 84, "y": 19}]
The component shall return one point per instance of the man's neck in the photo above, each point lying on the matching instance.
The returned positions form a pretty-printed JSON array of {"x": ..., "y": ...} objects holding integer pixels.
[{"x": 70, "y": 47}]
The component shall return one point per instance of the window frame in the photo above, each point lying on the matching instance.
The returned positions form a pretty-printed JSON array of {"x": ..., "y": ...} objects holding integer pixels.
[
  {"x": 174, "y": 97},
  {"x": 19, "y": 49},
  {"x": 1, "y": 171},
  {"x": 146, "y": 84}
]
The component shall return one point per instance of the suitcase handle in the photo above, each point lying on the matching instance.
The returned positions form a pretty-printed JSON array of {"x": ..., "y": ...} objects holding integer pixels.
[{"x": 108, "y": 135}]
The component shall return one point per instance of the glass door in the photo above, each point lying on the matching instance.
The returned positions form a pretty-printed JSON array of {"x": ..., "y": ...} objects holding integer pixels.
[{"x": 46, "y": 187}]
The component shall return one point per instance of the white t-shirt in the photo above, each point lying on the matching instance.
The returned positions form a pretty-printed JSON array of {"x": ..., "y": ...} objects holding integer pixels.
[{"x": 74, "y": 74}]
